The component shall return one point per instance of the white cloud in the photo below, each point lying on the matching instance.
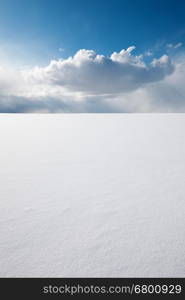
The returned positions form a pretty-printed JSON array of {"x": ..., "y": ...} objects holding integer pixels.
[
  {"x": 89, "y": 82},
  {"x": 174, "y": 46},
  {"x": 149, "y": 53},
  {"x": 96, "y": 74},
  {"x": 167, "y": 95}
]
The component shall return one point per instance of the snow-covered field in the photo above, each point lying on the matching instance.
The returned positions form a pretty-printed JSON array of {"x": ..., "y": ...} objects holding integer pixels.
[{"x": 88, "y": 195}]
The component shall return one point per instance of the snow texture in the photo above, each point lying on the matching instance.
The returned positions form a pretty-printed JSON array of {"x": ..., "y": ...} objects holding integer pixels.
[{"x": 91, "y": 195}]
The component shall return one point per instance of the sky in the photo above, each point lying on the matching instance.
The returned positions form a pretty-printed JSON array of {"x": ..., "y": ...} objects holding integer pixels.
[{"x": 84, "y": 56}]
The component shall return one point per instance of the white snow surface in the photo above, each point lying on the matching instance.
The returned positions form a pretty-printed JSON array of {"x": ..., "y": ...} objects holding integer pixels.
[{"x": 92, "y": 195}]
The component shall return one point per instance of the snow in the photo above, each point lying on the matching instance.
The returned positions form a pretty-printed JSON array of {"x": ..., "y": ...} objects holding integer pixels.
[{"x": 92, "y": 195}]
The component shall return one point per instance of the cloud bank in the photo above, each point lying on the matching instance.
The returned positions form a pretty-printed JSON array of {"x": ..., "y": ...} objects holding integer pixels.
[{"x": 90, "y": 82}]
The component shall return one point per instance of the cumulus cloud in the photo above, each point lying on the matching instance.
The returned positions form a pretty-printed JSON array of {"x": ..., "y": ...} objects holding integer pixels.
[
  {"x": 90, "y": 82},
  {"x": 96, "y": 74}
]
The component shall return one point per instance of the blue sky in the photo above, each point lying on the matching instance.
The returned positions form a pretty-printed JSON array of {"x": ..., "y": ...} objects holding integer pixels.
[
  {"x": 37, "y": 29},
  {"x": 92, "y": 56}
]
